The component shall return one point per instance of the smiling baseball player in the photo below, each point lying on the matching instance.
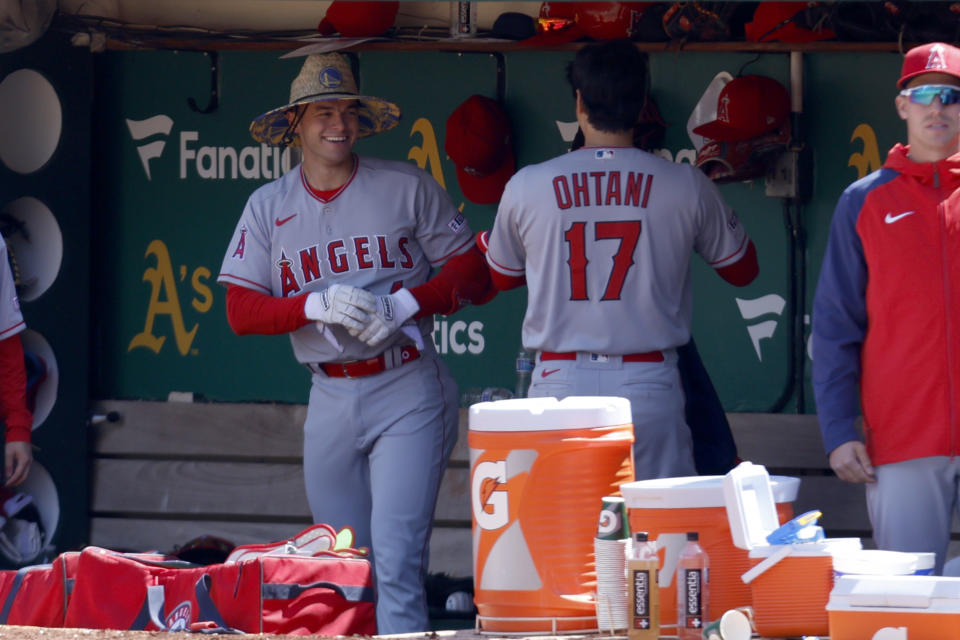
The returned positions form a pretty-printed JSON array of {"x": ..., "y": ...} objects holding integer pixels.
[
  {"x": 602, "y": 237},
  {"x": 339, "y": 253}
]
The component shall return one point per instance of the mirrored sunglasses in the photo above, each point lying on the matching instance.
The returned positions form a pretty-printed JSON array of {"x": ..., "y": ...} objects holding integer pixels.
[{"x": 925, "y": 93}]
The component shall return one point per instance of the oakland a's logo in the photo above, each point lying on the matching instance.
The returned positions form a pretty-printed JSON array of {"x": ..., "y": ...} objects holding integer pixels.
[
  {"x": 330, "y": 78},
  {"x": 179, "y": 618}
]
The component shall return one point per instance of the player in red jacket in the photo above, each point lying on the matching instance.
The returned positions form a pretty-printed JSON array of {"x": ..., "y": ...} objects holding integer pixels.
[{"x": 886, "y": 319}]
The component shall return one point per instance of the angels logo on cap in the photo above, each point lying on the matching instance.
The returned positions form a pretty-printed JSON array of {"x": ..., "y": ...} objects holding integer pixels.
[
  {"x": 748, "y": 106},
  {"x": 933, "y": 57},
  {"x": 936, "y": 61}
]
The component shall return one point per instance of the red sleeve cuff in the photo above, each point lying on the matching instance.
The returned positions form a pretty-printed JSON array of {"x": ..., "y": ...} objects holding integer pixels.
[
  {"x": 743, "y": 271},
  {"x": 252, "y": 312},
  {"x": 464, "y": 278}
]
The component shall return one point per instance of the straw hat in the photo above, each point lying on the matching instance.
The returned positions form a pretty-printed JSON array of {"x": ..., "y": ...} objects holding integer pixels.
[{"x": 325, "y": 76}]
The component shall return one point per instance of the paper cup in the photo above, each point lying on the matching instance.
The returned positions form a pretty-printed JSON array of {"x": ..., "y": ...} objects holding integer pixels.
[
  {"x": 613, "y": 519},
  {"x": 611, "y": 566},
  {"x": 732, "y": 625}
]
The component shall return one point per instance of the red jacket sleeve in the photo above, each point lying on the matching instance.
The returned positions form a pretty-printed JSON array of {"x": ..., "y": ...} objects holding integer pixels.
[
  {"x": 250, "y": 311},
  {"x": 13, "y": 391},
  {"x": 464, "y": 278}
]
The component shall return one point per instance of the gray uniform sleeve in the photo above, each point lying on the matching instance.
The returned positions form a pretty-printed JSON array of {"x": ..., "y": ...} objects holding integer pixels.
[
  {"x": 247, "y": 260},
  {"x": 442, "y": 231},
  {"x": 721, "y": 239},
  {"x": 11, "y": 320},
  {"x": 506, "y": 253}
]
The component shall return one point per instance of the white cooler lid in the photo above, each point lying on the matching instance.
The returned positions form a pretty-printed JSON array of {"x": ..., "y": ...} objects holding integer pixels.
[
  {"x": 694, "y": 492},
  {"x": 748, "y": 496},
  {"x": 548, "y": 414},
  {"x": 934, "y": 593},
  {"x": 877, "y": 562}
]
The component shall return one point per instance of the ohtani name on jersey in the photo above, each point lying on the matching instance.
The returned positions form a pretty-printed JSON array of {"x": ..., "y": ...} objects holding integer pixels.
[
  {"x": 339, "y": 256},
  {"x": 603, "y": 188}
]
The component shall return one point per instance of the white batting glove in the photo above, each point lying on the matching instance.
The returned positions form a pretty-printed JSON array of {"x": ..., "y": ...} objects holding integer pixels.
[
  {"x": 341, "y": 304},
  {"x": 392, "y": 311}
]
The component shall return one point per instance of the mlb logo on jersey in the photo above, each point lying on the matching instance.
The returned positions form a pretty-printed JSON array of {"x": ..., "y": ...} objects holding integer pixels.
[{"x": 603, "y": 154}]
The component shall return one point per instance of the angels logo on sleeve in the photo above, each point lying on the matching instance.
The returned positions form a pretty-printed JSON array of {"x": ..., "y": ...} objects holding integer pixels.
[{"x": 241, "y": 244}]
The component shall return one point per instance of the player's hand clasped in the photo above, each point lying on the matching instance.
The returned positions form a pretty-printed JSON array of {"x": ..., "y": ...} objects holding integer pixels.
[
  {"x": 341, "y": 304},
  {"x": 391, "y": 312}
]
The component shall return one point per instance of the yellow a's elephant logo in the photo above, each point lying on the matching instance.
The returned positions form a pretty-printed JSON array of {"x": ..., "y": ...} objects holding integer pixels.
[{"x": 868, "y": 160}]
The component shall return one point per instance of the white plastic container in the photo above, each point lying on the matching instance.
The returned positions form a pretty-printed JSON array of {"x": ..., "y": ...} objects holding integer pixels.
[{"x": 874, "y": 562}]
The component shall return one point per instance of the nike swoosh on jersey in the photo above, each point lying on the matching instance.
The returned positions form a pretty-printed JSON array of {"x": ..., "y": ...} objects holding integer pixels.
[
  {"x": 890, "y": 218},
  {"x": 547, "y": 372},
  {"x": 283, "y": 221}
]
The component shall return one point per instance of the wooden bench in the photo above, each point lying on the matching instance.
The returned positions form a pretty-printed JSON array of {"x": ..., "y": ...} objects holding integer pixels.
[{"x": 168, "y": 472}]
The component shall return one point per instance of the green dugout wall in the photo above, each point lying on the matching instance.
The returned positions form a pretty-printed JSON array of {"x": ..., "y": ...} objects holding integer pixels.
[{"x": 169, "y": 183}]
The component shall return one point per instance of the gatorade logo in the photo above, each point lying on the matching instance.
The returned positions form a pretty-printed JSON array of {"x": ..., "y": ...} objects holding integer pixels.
[
  {"x": 891, "y": 633},
  {"x": 490, "y": 504}
]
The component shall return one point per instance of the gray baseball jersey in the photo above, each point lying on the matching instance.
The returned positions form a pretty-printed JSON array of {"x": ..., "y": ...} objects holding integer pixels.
[
  {"x": 386, "y": 228},
  {"x": 11, "y": 320},
  {"x": 604, "y": 237}
]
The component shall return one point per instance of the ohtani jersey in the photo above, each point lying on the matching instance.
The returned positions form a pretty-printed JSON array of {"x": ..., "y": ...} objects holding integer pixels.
[
  {"x": 11, "y": 320},
  {"x": 386, "y": 228},
  {"x": 604, "y": 237}
]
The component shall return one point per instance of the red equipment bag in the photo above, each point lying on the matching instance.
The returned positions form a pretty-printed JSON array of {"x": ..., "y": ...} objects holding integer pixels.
[
  {"x": 329, "y": 594},
  {"x": 37, "y": 595}
]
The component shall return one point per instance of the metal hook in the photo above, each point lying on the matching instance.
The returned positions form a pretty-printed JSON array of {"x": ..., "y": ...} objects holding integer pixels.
[{"x": 214, "y": 86}]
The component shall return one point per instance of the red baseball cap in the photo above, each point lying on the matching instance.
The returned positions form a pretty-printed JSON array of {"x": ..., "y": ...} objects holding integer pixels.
[
  {"x": 556, "y": 24},
  {"x": 933, "y": 57},
  {"x": 480, "y": 143},
  {"x": 774, "y": 22},
  {"x": 747, "y": 107},
  {"x": 359, "y": 18}
]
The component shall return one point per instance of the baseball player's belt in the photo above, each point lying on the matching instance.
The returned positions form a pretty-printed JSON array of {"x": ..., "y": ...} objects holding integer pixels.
[
  {"x": 389, "y": 359},
  {"x": 649, "y": 356}
]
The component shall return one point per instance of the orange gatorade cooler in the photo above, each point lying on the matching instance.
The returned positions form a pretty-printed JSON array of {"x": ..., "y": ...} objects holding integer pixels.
[
  {"x": 789, "y": 583},
  {"x": 668, "y": 508},
  {"x": 895, "y": 608},
  {"x": 539, "y": 470}
]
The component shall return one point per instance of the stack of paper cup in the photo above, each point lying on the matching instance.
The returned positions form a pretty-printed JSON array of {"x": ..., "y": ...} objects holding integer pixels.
[{"x": 610, "y": 549}]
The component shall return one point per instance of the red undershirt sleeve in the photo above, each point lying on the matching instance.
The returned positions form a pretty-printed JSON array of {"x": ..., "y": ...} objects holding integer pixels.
[
  {"x": 743, "y": 271},
  {"x": 250, "y": 311},
  {"x": 463, "y": 278},
  {"x": 504, "y": 282},
  {"x": 13, "y": 391}
]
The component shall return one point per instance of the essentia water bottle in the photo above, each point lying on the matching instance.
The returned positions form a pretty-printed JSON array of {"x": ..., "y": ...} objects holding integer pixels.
[
  {"x": 643, "y": 569},
  {"x": 693, "y": 592}
]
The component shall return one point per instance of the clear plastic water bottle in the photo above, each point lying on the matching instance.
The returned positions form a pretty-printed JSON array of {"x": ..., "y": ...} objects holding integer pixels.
[
  {"x": 463, "y": 19},
  {"x": 693, "y": 593},
  {"x": 525, "y": 363},
  {"x": 474, "y": 395}
]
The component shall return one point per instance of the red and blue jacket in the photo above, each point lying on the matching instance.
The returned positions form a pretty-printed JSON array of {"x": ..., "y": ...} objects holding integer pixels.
[{"x": 886, "y": 313}]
